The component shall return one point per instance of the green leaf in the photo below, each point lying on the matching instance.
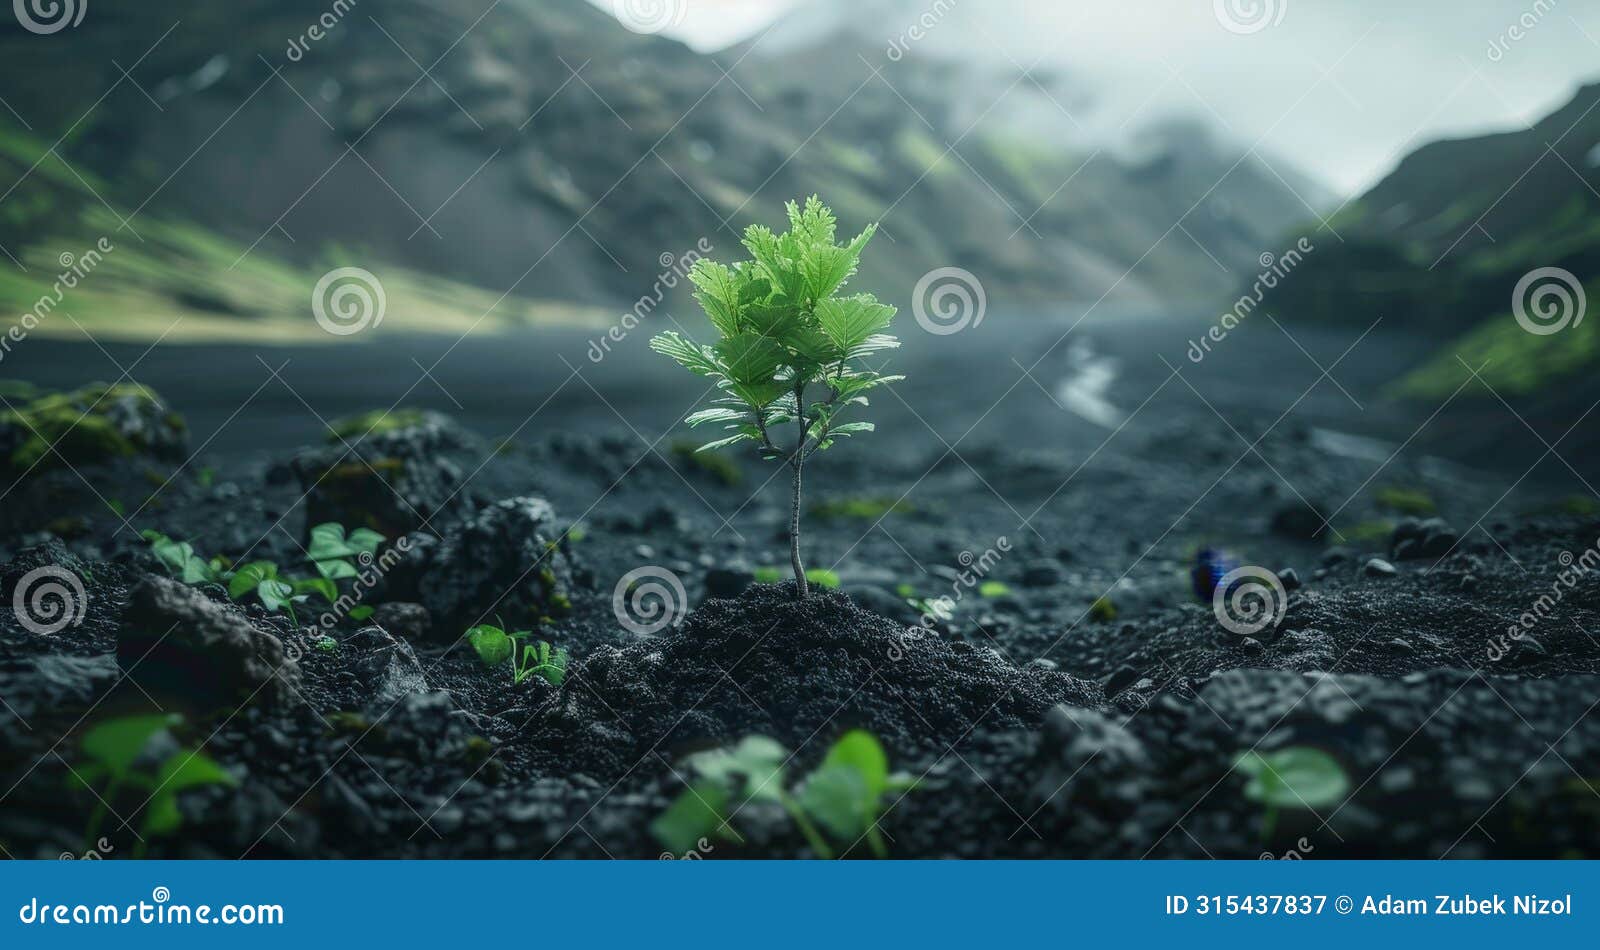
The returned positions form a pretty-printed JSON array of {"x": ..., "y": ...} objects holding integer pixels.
[
  {"x": 362, "y": 612},
  {"x": 699, "y": 812},
  {"x": 336, "y": 569},
  {"x": 724, "y": 443},
  {"x": 318, "y": 585},
  {"x": 1296, "y": 777},
  {"x": 186, "y": 770},
  {"x": 274, "y": 594},
  {"x": 116, "y": 743},
  {"x": 328, "y": 542},
  {"x": 715, "y": 415},
  {"x": 492, "y": 644},
  {"x": 825, "y": 269},
  {"x": 365, "y": 540},
  {"x": 750, "y": 358},
  {"x": 753, "y": 768},
  {"x": 860, "y": 750},
  {"x": 182, "y": 771},
  {"x": 719, "y": 294},
  {"x": 839, "y": 799},
  {"x": 250, "y": 577},
  {"x": 692, "y": 356},
  {"x": 850, "y": 321}
]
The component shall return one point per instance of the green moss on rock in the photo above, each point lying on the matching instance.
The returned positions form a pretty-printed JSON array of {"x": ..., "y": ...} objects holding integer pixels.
[{"x": 88, "y": 426}]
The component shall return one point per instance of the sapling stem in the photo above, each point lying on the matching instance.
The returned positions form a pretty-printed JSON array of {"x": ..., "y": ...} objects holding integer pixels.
[{"x": 802, "y": 587}]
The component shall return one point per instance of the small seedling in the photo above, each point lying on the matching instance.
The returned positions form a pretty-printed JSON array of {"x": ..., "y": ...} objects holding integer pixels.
[
  {"x": 781, "y": 333},
  {"x": 495, "y": 646},
  {"x": 113, "y": 749},
  {"x": 331, "y": 553},
  {"x": 993, "y": 589},
  {"x": 1296, "y": 777},
  {"x": 846, "y": 795},
  {"x": 180, "y": 559}
]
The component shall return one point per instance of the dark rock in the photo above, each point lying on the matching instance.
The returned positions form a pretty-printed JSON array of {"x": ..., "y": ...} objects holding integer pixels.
[
  {"x": 728, "y": 581},
  {"x": 1300, "y": 520},
  {"x": 1088, "y": 763},
  {"x": 1289, "y": 579},
  {"x": 177, "y": 640},
  {"x": 386, "y": 664},
  {"x": 1041, "y": 574},
  {"x": 1413, "y": 538},
  {"x": 426, "y": 727},
  {"x": 1123, "y": 678},
  {"x": 396, "y": 480},
  {"x": 503, "y": 560},
  {"x": 1378, "y": 567},
  {"x": 50, "y": 554},
  {"x": 407, "y": 621}
]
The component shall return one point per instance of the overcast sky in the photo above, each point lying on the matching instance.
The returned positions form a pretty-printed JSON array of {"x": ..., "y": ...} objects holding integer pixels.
[{"x": 1342, "y": 88}]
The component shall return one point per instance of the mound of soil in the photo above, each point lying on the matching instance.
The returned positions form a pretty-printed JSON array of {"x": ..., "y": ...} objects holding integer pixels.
[{"x": 800, "y": 671}]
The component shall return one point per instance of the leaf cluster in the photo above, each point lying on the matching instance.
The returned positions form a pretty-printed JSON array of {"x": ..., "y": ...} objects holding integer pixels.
[
  {"x": 114, "y": 749},
  {"x": 495, "y": 646},
  {"x": 332, "y": 554},
  {"x": 846, "y": 795},
  {"x": 780, "y": 330}
]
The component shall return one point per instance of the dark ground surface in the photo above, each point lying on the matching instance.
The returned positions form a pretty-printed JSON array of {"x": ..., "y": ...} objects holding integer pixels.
[{"x": 1457, "y": 743}]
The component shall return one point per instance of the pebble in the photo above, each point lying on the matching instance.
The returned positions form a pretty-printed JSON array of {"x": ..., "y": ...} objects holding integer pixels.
[{"x": 1378, "y": 567}]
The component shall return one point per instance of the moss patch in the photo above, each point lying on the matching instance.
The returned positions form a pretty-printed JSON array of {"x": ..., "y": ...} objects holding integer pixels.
[
  {"x": 87, "y": 426},
  {"x": 719, "y": 467},
  {"x": 860, "y": 508}
]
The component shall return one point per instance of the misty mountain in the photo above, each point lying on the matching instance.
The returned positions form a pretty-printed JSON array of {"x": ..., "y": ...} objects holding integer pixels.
[
  {"x": 541, "y": 147},
  {"x": 1443, "y": 240}
]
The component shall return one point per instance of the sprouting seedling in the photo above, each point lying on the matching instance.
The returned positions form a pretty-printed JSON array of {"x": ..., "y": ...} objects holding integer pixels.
[
  {"x": 788, "y": 351},
  {"x": 181, "y": 561},
  {"x": 495, "y": 646},
  {"x": 846, "y": 796},
  {"x": 1296, "y": 777},
  {"x": 331, "y": 552},
  {"x": 113, "y": 749}
]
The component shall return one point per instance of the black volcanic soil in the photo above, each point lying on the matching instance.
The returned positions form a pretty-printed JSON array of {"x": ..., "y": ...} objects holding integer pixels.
[{"x": 1040, "y": 724}]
